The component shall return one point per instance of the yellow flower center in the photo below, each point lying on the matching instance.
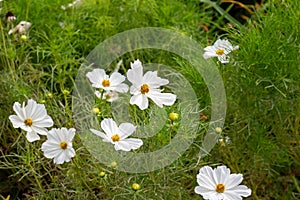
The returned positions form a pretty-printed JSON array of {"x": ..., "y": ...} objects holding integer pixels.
[
  {"x": 219, "y": 51},
  {"x": 28, "y": 122},
  {"x": 222, "y": 143},
  {"x": 144, "y": 88},
  {"x": 115, "y": 138},
  {"x": 107, "y": 96},
  {"x": 105, "y": 83},
  {"x": 63, "y": 145},
  {"x": 220, "y": 188}
]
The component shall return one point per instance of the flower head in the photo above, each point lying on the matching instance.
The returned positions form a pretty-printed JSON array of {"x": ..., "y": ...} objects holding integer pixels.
[
  {"x": 110, "y": 96},
  {"x": 70, "y": 5},
  {"x": 21, "y": 28},
  {"x": 147, "y": 86},
  {"x": 223, "y": 141},
  {"x": 117, "y": 135},
  {"x": 59, "y": 145},
  {"x": 32, "y": 118},
  {"x": 10, "y": 17},
  {"x": 99, "y": 79},
  {"x": 219, "y": 184},
  {"x": 220, "y": 49}
]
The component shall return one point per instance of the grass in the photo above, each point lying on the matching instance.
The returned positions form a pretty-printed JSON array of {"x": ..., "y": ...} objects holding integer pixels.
[{"x": 261, "y": 81}]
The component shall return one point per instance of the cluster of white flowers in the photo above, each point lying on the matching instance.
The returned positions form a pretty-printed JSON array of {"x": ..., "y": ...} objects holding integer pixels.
[
  {"x": 143, "y": 87},
  {"x": 70, "y": 5},
  {"x": 33, "y": 119},
  {"x": 21, "y": 28},
  {"x": 220, "y": 49},
  {"x": 213, "y": 184}
]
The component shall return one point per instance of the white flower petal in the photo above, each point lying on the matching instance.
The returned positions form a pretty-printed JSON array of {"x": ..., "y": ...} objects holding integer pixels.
[
  {"x": 16, "y": 121},
  {"x": 122, "y": 145},
  {"x": 161, "y": 99},
  {"x": 206, "y": 182},
  {"x": 232, "y": 196},
  {"x": 116, "y": 78},
  {"x": 241, "y": 190},
  {"x": 211, "y": 49},
  {"x": 140, "y": 100},
  {"x": 153, "y": 80},
  {"x": 222, "y": 173},
  {"x": 69, "y": 133},
  {"x": 110, "y": 127},
  {"x": 223, "y": 58},
  {"x": 102, "y": 135},
  {"x": 135, "y": 74},
  {"x": 207, "y": 55},
  {"x": 135, "y": 89},
  {"x": 32, "y": 136},
  {"x": 51, "y": 150},
  {"x": 134, "y": 143},
  {"x": 61, "y": 158},
  {"x": 136, "y": 64},
  {"x": 127, "y": 129},
  {"x": 19, "y": 111},
  {"x": 233, "y": 180},
  {"x": 96, "y": 77},
  {"x": 128, "y": 144},
  {"x": 98, "y": 94},
  {"x": 39, "y": 130},
  {"x": 46, "y": 121}
]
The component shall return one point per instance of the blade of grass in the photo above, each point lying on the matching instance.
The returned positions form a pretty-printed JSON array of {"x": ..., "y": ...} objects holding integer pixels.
[{"x": 223, "y": 13}]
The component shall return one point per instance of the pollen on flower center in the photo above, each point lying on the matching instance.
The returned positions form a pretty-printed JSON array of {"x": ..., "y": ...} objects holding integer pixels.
[
  {"x": 105, "y": 83},
  {"x": 28, "y": 122},
  {"x": 144, "y": 88},
  {"x": 220, "y": 51},
  {"x": 220, "y": 188},
  {"x": 115, "y": 138},
  {"x": 63, "y": 145}
]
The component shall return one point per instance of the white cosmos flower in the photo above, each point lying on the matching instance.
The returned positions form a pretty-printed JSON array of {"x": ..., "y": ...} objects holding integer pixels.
[
  {"x": 100, "y": 79},
  {"x": 223, "y": 141},
  {"x": 21, "y": 28},
  {"x": 70, "y": 5},
  {"x": 32, "y": 118},
  {"x": 59, "y": 145},
  {"x": 147, "y": 86},
  {"x": 110, "y": 96},
  {"x": 219, "y": 184},
  {"x": 118, "y": 135},
  {"x": 220, "y": 49}
]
